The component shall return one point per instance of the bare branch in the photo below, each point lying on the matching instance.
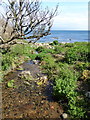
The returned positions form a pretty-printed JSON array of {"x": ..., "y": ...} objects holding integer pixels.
[{"x": 27, "y": 20}]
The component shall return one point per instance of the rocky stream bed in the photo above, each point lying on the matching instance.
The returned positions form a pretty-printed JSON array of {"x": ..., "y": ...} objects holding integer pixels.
[{"x": 31, "y": 95}]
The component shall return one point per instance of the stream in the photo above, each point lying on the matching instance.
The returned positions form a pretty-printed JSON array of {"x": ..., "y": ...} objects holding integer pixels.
[{"x": 29, "y": 98}]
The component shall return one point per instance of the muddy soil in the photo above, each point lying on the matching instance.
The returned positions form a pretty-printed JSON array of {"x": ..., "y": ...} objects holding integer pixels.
[{"x": 29, "y": 101}]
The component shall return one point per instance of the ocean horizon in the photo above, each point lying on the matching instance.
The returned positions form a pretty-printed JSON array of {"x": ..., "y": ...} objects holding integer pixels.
[{"x": 69, "y": 36}]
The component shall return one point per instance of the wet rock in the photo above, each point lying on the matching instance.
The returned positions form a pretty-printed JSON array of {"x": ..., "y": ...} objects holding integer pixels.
[
  {"x": 42, "y": 80},
  {"x": 25, "y": 75},
  {"x": 35, "y": 61}
]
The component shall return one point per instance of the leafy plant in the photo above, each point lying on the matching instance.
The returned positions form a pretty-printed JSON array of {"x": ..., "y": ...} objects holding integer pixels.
[
  {"x": 59, "y": 49},
  {"x": 10, "y": 84},
  {"x": 69, "y": 45},
  {"x": 40, "y": 49},
  {"x": 77, "y": 53},
  {"x": 65, "y": 86},
  {"x": 80, "y": 66}
]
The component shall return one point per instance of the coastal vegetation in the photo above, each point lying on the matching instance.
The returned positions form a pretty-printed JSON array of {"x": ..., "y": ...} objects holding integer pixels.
[{"x": 66, "y": 65}]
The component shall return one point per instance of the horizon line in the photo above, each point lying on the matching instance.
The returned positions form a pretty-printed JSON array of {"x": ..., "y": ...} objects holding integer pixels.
[{"x": 70, "y": 30}]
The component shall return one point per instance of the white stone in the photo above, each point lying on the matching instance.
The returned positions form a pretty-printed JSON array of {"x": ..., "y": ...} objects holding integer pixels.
[{"x": 64, "y": 115}]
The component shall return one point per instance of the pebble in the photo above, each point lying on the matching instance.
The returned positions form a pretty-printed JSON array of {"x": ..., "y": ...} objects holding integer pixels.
[
  {"x": 42, "y": 102},
  {"x": 64, "y": 115}
]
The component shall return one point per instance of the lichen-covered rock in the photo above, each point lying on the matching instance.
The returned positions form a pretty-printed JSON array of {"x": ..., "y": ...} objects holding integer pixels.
[
  {"x": 86, "y": 74},
  {"x": 42, "y": 80}
]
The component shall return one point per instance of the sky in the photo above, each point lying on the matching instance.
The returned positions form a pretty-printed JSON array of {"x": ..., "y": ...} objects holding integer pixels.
[{"x": 72, "y": 14}]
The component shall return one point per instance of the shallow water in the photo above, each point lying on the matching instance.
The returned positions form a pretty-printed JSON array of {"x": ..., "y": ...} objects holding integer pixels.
[{"x": 29, "y": 99}]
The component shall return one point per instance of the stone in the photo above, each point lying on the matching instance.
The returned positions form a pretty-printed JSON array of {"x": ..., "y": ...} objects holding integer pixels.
[
  {"x": 26, "y": 75},
  {"x": 59, "y": 56},
  {"x": 42, "y": 80},
  {"x": 35, "y": 61},
  {"x": 42, "y": 63},
  {"x": 88, "y": 94},
  {"x": 64, "y": 115},
  {"x": 27, "y": 83},
  {"x": 19, "y": 68},
  {"x": 85, "y": 74}
]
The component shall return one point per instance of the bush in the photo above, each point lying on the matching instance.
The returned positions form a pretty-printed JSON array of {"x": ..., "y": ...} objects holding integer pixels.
[
  {"x": 78, "y": 53},
  {"x": 44, "y": 50},
  {"x": 80, "y": 66},
  {"x": 64, "y": 88},
  {"x": 69, "y": 45},
  {"x": 7, "y": 60},
  {"x": 40, "y": 49},
  {"x": 40, "y": 56},
  {"x": 59, "y": 49},
  {"x": 55, "y": 42}
]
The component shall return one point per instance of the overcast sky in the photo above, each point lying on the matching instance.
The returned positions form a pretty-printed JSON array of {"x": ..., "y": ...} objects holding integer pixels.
[{"x": 73, "y": 14}]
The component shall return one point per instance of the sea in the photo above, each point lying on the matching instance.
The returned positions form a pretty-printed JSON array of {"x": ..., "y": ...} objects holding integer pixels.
[{"x": 66, "y": 36}]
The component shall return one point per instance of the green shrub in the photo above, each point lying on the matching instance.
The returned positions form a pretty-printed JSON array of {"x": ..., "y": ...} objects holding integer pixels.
[
  {"x": 49, "y": 60},
  {"x": 78, "y": 53},
  {"x": 6, "y": 61},
  {"x": 69, "y": 45},
  {"x": 65, "y": 86},
  {"x": 55, "y": 42},
  {"x": 49, "y": 50},
  {"x": 80, "y": 66},
  {"x": 18, "y": 50},
  {"x": 40, "y": 49},
  {"x": 40, "y": 56},
  {"x": 32, "y": 56},
  {"x": 59, "y": 49}
]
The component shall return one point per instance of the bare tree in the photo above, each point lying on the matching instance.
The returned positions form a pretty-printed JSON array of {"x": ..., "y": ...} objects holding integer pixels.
[{"x": 27, "y": 20}]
